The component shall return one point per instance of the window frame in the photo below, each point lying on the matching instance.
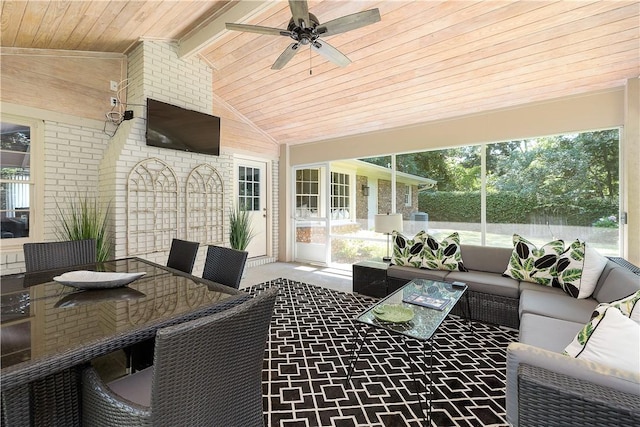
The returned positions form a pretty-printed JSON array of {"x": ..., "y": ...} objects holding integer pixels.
[
  {"x": 318, "y": 213},
  {"x": 407, "y": 195},
  {"x": 243, "y": 185},
  {"x": 36, "y": 183},
  {"x": 480, "y": 231},
  {"x": 348, "y": 187}
]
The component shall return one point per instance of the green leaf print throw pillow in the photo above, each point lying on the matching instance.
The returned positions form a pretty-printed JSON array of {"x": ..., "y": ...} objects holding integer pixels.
[
  {"x": 532, "y": 264},
  {"x": 407, "y": 252},
  {"x": 443, "y": 255}
]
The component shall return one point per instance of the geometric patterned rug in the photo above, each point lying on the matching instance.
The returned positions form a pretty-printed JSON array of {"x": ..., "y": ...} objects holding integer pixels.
[{"x": 308, "y": 352}]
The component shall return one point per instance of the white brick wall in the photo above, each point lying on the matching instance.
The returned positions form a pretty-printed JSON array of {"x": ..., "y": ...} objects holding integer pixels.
[
  {"x": 72, "y": 158},
  {"x": 89, "y": 161},
  {"x": 155, "y": 71}
]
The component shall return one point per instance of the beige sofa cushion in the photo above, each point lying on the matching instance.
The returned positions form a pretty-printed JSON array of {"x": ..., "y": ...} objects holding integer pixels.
[
  {"x": 619, "y": 283},
  {"x": 409, "y": 273},
  {"x": 485, "y": 258},
  {"x": 560, "y": 306},
  {"x": 488, "y": 283},
  {"x": 524, "y": 286},
  {"x": 546, "y": 332}
]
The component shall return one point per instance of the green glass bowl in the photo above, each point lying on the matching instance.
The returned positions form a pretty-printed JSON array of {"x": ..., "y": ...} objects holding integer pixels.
[{"x": 393, "y": 313}]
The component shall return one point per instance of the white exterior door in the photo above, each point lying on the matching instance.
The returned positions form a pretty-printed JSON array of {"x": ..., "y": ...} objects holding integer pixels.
[
  {"x": 310, "y": 215},
  {"x": 251, "y": 195}
]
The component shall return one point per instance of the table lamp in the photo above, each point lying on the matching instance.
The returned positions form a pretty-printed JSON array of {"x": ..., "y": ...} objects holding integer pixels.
[{"x": 387, "y": 224}]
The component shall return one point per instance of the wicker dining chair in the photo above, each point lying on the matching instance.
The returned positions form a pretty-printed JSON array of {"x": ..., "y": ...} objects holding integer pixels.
[
  {"x": 206, "y": 372},
  {"x": 182, "y": 255},
  {"x": 50, "y": 255},
  {"x": 224, "y": 265}
]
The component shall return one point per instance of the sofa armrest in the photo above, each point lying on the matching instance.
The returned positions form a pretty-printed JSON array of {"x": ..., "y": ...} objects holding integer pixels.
[
  {"x": 542, "y": 385},
  {"x": 549, "y": 398}
]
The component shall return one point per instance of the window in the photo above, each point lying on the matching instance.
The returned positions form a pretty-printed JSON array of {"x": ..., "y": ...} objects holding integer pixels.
[
  {"x": 551, "y": 187},
  {"x": 340, "y": 196},
  {"x": 556, "y": 187},
  {"x": 249, "y": 188},
  {"x": 307, "y": 193},
  {"x": 451, "y": 200},
  {"x": 17, "y": 181}
]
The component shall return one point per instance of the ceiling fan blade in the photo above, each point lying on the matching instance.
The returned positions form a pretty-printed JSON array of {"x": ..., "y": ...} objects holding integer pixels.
[
  {"x": 300, "y": 12},
  {"x": 258, "y": 29},
  {"x": 349, "y": 22},
  {"x": 286, "y": 56},
  {"x": 330, "y": 53}
]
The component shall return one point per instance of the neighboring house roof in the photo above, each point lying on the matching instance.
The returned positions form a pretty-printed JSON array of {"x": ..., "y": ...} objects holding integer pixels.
[{"x": 374, "y": 171}]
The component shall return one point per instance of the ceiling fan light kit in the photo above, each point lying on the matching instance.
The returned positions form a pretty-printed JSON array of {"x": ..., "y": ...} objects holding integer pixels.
[{"x": 305, "y": 29}]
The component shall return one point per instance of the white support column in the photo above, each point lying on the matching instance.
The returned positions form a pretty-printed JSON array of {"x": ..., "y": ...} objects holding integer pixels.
[
  {"x": 631, "y": 171},
  {"x": 286, "y": 206}
]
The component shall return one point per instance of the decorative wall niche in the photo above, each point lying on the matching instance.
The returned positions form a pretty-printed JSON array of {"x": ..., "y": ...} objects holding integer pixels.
[
  {"x": 205, "y": 206},
  {"x": 152, "y": 207}
]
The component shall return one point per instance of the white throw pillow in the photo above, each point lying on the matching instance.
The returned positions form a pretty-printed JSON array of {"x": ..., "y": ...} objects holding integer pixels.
[
  {"x": 578, "y": 270},
  {"x": 594, "y": 263},
  {"x": 629, "y": 306},
  {"x": 610, "y": 338}
]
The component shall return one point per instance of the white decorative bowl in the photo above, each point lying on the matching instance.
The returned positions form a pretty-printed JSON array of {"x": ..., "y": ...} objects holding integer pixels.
[{"x": 97, "y": 279}]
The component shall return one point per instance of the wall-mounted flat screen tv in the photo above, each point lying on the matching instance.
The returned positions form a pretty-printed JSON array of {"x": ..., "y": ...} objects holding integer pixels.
[{"x": 170, "y": 126}]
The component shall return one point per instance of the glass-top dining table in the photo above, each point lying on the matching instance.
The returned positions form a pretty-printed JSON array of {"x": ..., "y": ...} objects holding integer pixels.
[{"x": 49, "y": 330}]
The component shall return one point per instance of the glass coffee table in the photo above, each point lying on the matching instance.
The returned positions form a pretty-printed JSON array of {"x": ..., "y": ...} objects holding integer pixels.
[{"x": 414, "y": 311}]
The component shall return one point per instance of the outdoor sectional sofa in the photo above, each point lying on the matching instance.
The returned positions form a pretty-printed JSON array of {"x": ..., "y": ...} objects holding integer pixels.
[{"x": 544, "y": 386}]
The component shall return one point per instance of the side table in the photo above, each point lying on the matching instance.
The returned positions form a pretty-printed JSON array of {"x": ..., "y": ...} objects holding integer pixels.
[{"x": 370, "y": 278}]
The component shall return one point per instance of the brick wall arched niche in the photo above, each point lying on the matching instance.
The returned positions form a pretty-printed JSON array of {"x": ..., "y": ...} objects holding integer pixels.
[{"x": 152, "y": 207}]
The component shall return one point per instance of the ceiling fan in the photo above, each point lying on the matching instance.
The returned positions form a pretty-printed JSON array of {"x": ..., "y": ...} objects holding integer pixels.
[{"x": 305, "y": 29}]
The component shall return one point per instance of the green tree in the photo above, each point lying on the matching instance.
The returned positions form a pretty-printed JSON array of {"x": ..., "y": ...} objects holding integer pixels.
[
  {"x": 465, "y": 166},
  {"x": 384, "y": 161},
  {"x": 572, "y": 175},
  {"x": 602, "y": 148},
  {"x": 427, "y": 164},
  {"x": 559, "y": 169}
]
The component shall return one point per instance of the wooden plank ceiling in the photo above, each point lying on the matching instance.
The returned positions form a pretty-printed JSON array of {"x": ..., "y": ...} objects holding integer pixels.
[{"x": 424, "y": 61}]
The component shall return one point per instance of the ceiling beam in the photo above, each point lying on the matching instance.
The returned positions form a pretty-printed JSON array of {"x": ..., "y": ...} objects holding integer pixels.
[{"x": 237, "y": 12}]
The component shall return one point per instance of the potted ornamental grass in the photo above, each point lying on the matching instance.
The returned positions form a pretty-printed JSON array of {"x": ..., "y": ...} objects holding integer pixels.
[
  {"x": 240, "y": 229},
  {"x": 84, "y": 218}
]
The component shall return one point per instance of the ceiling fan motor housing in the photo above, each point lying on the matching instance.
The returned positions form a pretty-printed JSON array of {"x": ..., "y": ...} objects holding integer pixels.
[{"x": 304, "y": 34}]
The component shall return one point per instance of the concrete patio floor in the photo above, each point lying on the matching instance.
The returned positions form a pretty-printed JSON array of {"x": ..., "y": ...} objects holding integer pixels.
[{"x": 331, "y": 278}]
